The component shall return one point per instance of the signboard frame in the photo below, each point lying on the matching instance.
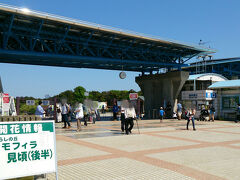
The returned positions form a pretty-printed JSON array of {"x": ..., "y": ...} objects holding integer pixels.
[
  {"x": 30, "y": 102},
  {"x": 135, "y": 96},
  {"x": 25, "y": 174}
]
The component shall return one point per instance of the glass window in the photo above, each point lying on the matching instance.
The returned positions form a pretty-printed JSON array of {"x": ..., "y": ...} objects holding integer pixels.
[{"x": 230, "y": 102}]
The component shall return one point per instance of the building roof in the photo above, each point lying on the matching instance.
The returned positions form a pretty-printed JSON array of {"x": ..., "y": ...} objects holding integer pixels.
[
  {"x": 207, "y": 76},
  {"x": 225, "y": 84},
  {"x": 57, "y": 18}
]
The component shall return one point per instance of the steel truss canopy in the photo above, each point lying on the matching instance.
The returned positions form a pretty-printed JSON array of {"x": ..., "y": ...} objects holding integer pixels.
[
  {"x": 228, "y": 67},
  {"x": 36, "y": 38}
]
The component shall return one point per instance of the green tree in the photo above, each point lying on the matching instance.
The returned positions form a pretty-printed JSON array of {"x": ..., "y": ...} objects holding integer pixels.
[
  {"x": 68, "y": 95},
  {"x": 79, "y": 94},
  {"x": 140, "y": 93},
  {"x": 26, "y": 109},
  {"x": 95, "y": 96}
]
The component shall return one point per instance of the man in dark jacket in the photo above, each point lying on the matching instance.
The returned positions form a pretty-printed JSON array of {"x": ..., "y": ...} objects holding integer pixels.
[{"x": 115, "y": 111}]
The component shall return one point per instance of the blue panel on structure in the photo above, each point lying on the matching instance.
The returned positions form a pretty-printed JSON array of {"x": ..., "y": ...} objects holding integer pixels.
[
  {"x": 42, "y": 39},
  {"x": 228, "y": 67}
]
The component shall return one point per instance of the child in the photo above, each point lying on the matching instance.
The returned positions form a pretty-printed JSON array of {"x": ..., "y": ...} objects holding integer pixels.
[{"x": 161, "y": 114}]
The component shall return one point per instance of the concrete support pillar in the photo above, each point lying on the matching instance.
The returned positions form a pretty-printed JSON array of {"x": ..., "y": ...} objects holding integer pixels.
[{"x": 158, "y": 88}]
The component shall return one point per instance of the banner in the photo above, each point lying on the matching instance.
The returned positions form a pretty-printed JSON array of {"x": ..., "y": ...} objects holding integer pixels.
[{"x": 27, "y": 148}]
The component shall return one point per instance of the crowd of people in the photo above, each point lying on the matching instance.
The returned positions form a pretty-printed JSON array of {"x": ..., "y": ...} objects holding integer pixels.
[
  {"x": 189, "y": 114},
  {"x": 82, "y": 113}
]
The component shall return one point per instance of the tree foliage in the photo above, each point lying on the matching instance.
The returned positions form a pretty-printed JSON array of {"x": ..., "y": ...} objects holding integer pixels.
[
  {"x": 109, "y": 96},
  {"x": 72, "y": 97},
  {"x": 79, "y": 94}
]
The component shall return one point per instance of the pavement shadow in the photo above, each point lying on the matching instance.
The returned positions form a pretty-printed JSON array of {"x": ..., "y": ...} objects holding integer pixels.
[{"x": 182, "y": 129}]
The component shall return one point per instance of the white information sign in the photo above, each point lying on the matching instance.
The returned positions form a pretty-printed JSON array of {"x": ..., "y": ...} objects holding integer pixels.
[
  {"x": 30, "y": 102},
  {"x": 46, "y": 102},
  {"x": 27, "y": 148},
  {"x": 198, "y": 95}
]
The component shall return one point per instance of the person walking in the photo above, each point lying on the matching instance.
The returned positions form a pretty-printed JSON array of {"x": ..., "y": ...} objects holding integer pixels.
[
  {"x": 190, "y": 117},
  {"x": 211, "y": 113},
  {"x": 161, "y": 114},
  {"x": 86, "y": 115},
  {"x": 115, "y": 111},
  {"x": 179, "y": 111},
  {"x": 123, "y": 119},
  {"x": 70, "y": 113},
  {"x": 168, "y": 110},
  {"x": 65, "y": 112},
  {"x": 103, "y": 109},
  {"x": 129, "y": 115},
  {"x": 237, "y": 113},
  {"x": 79, "y": 116},
  {"x": 40, "y": 111},
  {"x": 58, "y": 112}
]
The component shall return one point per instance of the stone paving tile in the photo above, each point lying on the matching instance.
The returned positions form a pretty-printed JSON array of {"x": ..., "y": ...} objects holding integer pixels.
[
  {"x": 204, "y": 135},
  {"x": 231, "y": 130},
  {"x": 238, "y": 144},
  {"x": 66, "y": 150},
  {"x": 157, "y": 129},
  {"x": 117, "y": 169},
  {"x": 92, "y": 135},
  {"x": 219, "y": 161},
  {"x": 161, "y": 151},
  {"x": 137, "y": 142}
]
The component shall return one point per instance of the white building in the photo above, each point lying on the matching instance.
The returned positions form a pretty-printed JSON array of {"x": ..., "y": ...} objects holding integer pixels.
[
  {"x": 228, "y": 97},
  {"x": 195, "y": 92}
]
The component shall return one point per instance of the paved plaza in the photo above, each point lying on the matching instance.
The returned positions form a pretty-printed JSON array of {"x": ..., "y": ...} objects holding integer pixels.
[{"x": 161, "y": 151}]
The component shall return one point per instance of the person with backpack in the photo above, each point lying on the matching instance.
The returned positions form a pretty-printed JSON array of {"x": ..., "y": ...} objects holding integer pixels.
[
  {"x": 65, "y": 112},
  {"x": 211, "y": 113}
]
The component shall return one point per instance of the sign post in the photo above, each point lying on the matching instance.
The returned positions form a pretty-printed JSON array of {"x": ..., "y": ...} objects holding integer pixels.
[{"x": 27, "y": 149}]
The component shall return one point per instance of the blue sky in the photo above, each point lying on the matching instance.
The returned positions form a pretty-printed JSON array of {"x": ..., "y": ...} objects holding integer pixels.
[{"x": 215, "y": 21}]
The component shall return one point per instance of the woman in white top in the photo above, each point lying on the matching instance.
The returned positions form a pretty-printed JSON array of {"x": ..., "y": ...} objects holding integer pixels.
[{"x": 79, "y": 115}]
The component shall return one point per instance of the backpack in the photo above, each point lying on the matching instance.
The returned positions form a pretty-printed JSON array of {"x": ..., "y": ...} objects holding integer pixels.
[
  {"x": 213, "y": 109},
  {"x": 58, "y": 110}
]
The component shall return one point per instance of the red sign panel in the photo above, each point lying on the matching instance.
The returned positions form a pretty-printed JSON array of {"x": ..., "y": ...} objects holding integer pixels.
[
  {"x": 5, "y": 98},
  {"x": 133, "y": 96}
]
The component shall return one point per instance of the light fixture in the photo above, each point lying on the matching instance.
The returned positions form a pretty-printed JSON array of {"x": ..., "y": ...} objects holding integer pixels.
[{"x": 122, "y": 75}]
